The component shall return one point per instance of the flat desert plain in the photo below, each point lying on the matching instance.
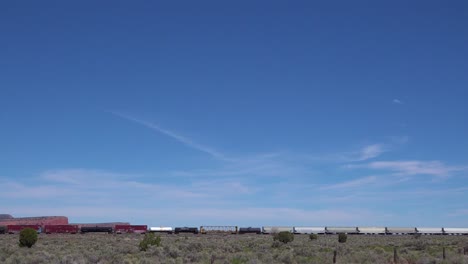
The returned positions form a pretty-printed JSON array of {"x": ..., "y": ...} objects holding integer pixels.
[{"x": 113, "y": 248}]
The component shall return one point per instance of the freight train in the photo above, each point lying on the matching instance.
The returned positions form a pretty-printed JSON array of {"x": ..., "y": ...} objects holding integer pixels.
[
  {"x": 74, "y": 229},
  {"x": 141, "y": 229}
]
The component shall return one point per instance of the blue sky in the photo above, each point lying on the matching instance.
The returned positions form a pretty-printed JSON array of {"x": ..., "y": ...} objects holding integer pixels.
[{"x": 235, "y": 113}]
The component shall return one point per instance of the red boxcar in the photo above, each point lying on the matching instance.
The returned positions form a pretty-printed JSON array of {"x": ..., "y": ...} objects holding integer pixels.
[
  {"x": 55, "y": 229},
  {"x": 13, "y": 229},
  {"x": 141, "y": 229}
]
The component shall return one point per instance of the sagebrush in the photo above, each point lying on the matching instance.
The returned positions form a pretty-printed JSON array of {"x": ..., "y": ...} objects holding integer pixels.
[
  {"x": 27, "y": 237},
  {"x": 124, "y": 249},
  {"x": 149, "y": 240},
  {"x": 342, "y": 237},
  {"x": 284, "y": 237}
]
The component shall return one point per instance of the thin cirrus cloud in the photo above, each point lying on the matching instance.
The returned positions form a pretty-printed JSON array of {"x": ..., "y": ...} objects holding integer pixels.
[
  {"x": 356, "y": 183},
  {"x": 260, "y": 166},
  {"x": 184, "y": 140},
  {"x": 94, "y": 185},
  {"x": 433, "y": 168},
  {"x": 111, "y": 192},
  {"x": 80, "y": 176},
  {"x": 228, "y": 216},
  {"x": 397, "y": 101},
  {"x": 266, "y": 164},
  {"x": 459, "y": 212},
  {"x": 364, "y": 153},
  {"x": 370, "y": 152}
]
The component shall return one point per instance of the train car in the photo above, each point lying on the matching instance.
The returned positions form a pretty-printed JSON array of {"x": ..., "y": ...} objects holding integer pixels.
[
  {"x": 218, "y": 229},
  {"x": 13, "y": 229},
  {"x": 96, "y": 229},
  {"x": 400, "y": 230},
  {"x": 309, "y": 230},
  {"x": 455, "y": 231},
  {"x": 364, "y": 230},
  {"x": 277, "y": 229},
  {"x": 250, "y": 230},
  {"x": 193, "y": 230},
  {"x": 337, "y": 230},
  {"x": 61, "y": 229},
  {"x": 429, "y": 230},
  {"x": 3, "y": 229},
  {"x": 161, "y": 229},
  {"x": 139, "y": 229}
]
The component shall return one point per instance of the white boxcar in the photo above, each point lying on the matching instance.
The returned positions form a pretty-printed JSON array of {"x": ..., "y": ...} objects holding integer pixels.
[
  {"x": 163, "y": 229},
  {"x": 218, "y": 229},
  {"x": 309, "y": 230},
  {"x": 429, "y": 230},
  {"x": 455, "y": 230},
  {"x": 346, "y": 230},
  {"x": 371, "y": 230},
  {"x": 276, "y": 229},
  {"x": 401, "y": 230}
]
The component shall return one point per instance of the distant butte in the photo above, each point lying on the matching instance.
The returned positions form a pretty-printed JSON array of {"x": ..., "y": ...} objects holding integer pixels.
[
  {"x": 6, "y": 219},
  {"x": 5, "y": 216}
]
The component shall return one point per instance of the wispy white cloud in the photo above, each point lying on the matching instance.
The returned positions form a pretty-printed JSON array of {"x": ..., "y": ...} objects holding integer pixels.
[
  {"x": 397, "y": 101},
  {"x": 225, "y": 186},
  {"x": 370, "y": 152},
  {"x": 360, "y": 182},
  {"x": 364, "y": 153},
  {"x": 459, "y": 212},
  {"x": 258, "y": 166},
  {"x": 17, "y": 190},
  {"x": 214, "y": 215},
  {"x": 96, "y": 185},
  {"x": 81, "y": 176},
  {"x": 108, "y": 196},
  {"x": 184, "y": 140},
  {"x": 414, "y": 167}
]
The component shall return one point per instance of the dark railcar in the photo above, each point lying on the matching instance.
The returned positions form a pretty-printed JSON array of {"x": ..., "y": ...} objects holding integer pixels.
[
  {"x": 139, "y": 229},
  {"x": 96, "y": 229},
  {"x": 3, "y": 229},
  {"x": 13, "y": 229},
  {"x": 251, "y": 230},
  {"x": 61, "y": 229},
  {"x": 193, "y": 230}
]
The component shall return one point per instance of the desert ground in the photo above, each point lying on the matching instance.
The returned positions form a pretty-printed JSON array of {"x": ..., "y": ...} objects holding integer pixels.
[{"x": 113, "y": 248}]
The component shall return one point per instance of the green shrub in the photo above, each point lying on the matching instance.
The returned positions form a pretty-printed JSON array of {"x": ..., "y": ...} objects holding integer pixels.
[
  {"x": 276, "y": 244},
  {"x": 284, "y": 237},
  {"x": 313, "y": 236},
  {"x": 238, "y": 260},
  {"x": 149, "y": 240},
  {"x": 28, "y": 237},
  {"x": 342, "y": 237}
]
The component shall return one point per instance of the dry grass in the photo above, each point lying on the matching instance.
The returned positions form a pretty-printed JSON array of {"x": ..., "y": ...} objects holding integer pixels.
[{"x": 104, "y": 248}]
